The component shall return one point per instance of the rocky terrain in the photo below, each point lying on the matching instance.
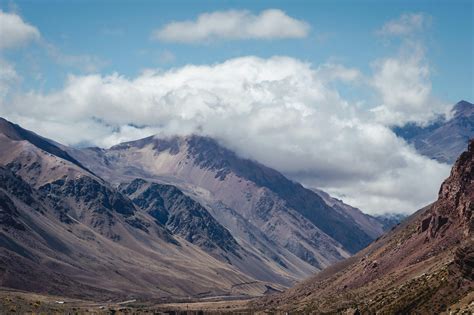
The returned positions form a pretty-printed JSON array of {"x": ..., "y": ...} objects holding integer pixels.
[
  {"x": 64, "y": 230},
  {"x": 181, "y": 215},
  {"x": 424, "y": 266},
  {"x": 443, "y": 139}
]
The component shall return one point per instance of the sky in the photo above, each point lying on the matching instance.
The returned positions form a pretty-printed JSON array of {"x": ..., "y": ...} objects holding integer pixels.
[{"x": 310, "y": 88}]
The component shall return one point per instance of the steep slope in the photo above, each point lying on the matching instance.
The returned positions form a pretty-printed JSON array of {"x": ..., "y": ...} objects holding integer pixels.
[
  {"x": 67, "y": 231},
  {"x": 181, "y": 215},
  {"x": 425, "y": 265},
  {"x": 276, "y": 218},
  {"x": 372, "y": 225},
  {"x": 443, "y": 139},
  {"x": 369, "y": 224},
  {"x": 185, "y": 217}
]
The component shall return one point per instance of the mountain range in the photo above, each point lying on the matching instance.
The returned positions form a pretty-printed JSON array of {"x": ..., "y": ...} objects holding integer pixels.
[
  {"x": 443, "y": 139},
  {"x": 178, "y": 217},
  {"x": 161, "y": 217}
]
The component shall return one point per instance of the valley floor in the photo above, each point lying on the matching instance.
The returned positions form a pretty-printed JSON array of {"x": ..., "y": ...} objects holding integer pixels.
[{"x": 20, "y": 302}]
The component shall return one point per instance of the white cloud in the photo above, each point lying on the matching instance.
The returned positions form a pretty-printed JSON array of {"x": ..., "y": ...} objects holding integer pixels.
[
  {"x": 406, "y": 24},
  {"x": 403, "y": 85},
  {"x": 402, "y": 81},
  {"x": 233, "y": 25},
  {"x": 14, "y": 32},
  {"x": 279, "y": 111}
]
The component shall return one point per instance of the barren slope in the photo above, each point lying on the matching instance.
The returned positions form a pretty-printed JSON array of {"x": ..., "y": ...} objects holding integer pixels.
[{"x": 66, "y": 231}]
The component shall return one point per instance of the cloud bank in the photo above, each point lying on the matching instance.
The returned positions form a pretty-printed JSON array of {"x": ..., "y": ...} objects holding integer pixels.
[
  {"x": 233, "y": 25},
  {"x": 280, "y": 111},
  {"x": 404, "y": 88}
]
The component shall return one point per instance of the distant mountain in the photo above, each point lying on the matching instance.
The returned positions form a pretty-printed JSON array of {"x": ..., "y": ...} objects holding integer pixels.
[
  {"x": 390, "y": 220},
  {"x": 444, "y": 139},
  {"x": 423, "y": 266}
]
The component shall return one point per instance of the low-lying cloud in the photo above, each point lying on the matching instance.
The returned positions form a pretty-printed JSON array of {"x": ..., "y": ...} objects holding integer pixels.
[{"x": 280, "y": 111}]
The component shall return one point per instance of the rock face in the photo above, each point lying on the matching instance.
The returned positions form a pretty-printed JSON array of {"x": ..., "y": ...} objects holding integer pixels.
[
  {"x": 443, "y": 139},
  {"x": 64, "y": 230},
  {"x": 456, "y": 197},
  {"x": 9, "y": 215},
  {"x": 424, "y": 265},
  {"x": 181, "y": 215},
  {"x": 276, "y": 219}
]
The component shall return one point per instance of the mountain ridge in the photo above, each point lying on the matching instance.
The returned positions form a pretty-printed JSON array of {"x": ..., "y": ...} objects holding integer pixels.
[
  {"x": 15, "y": 132},
  {"x": 200, "y": 166}
]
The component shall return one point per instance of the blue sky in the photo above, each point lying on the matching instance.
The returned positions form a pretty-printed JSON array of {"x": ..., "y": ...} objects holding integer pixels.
[
  {"x": 118, "y": 34},
  {"x": 310, "y": 88}
]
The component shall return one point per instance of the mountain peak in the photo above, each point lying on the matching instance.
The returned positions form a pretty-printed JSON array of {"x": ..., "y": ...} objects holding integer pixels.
[
  {"x": 463, "y": 108},
  {"x": 171, "y": 143},
  {"x": 443, "y": 139},
  {"x": 17, "y": 133}
]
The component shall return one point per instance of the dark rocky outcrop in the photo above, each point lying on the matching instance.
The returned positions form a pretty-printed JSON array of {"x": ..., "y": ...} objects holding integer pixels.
[
  {"x": 89, "y": 191},
  {"x": 181, "y": 215},
  {"x": 8, "y": 213},
  {"x": 455, "y": 205}
]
